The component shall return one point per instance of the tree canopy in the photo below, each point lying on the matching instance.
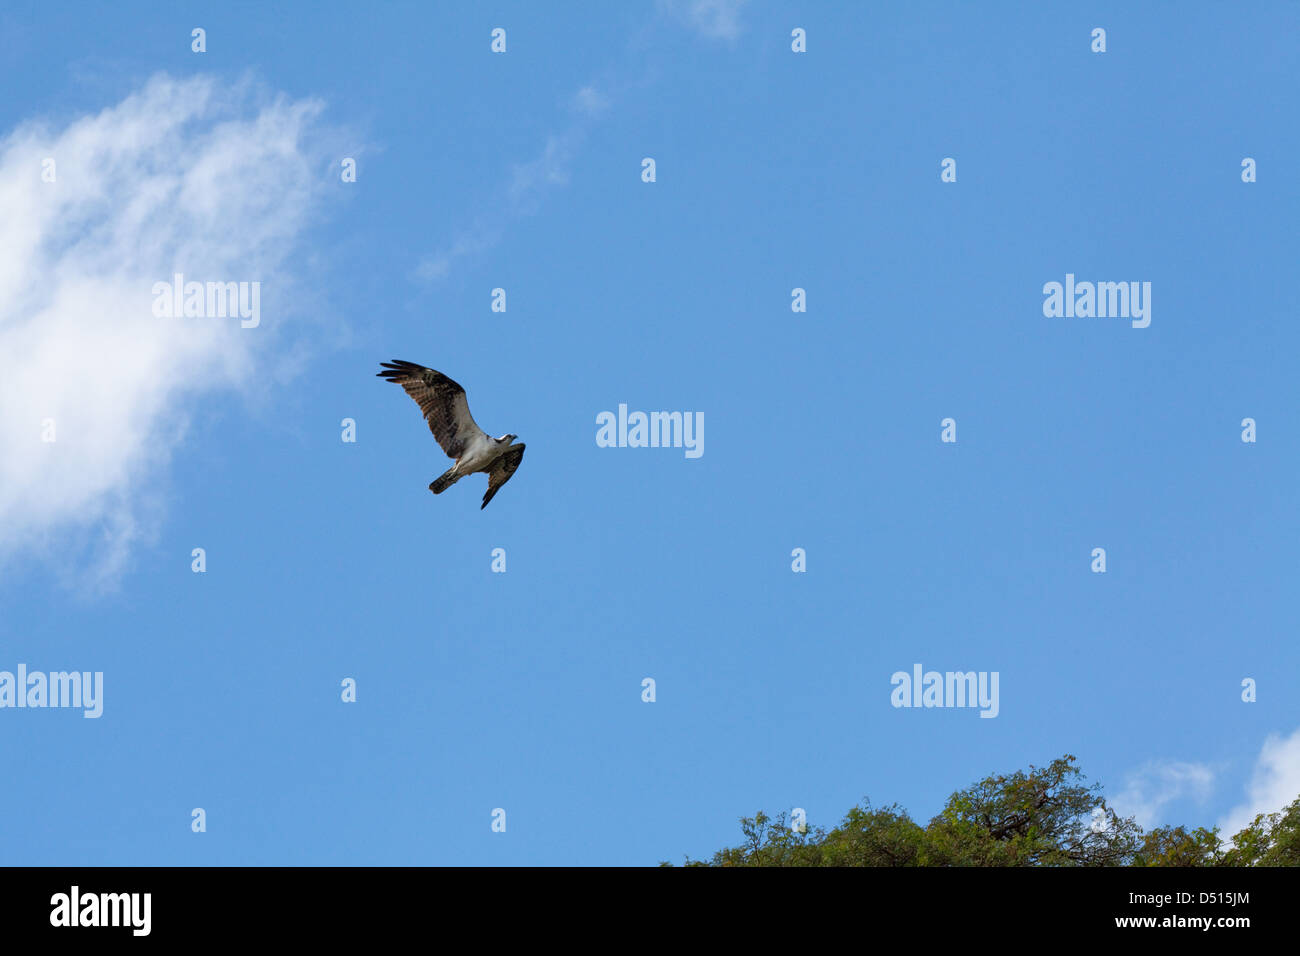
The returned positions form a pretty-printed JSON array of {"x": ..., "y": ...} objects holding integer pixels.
[{"x": 1043, "y": 817}]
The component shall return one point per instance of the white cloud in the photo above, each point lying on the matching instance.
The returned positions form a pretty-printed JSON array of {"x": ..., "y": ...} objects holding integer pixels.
[
  {"x": 590, "y": 101},
  {"x": 1274, "y": 783},
  {"x": 213, "y": 181},
  {"x": 530, "y": 181},
  {"x": 528, "y": 185},
  {"x": 1149, "y": 790},
  {"x": 550, "y": 168},
  {"x": 438, "y": 265},
  {"x": 718, "y": 19}
]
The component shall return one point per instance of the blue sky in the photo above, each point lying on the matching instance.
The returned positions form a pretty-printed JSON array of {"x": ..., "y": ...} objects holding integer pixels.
[{"x": 774, "y": 170}]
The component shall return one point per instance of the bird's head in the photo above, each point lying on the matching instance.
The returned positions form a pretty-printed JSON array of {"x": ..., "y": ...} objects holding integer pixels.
[{"x": 507, "y": 439}]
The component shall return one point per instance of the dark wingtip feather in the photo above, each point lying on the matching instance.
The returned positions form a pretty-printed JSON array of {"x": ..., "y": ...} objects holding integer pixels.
[{"x": 395, "y": 368}]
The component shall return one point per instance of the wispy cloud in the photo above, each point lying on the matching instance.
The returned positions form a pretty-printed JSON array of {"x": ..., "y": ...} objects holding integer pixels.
[
  {"x": 529, "y": 182},
  {"x": 590, "y": 101},
  {"x": 470, "y": 242},
  {"x": 1148, "y": 791},
  {"x": 211, "y": 180},
  {"x": 528, "y": 185},
  {"x": 718, "y": 19},
  {"x": 1274, "y": 783}
]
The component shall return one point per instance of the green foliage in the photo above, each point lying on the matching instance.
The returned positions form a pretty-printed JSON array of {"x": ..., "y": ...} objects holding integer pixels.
[
  {"x": 1271, "y": 840},
  {"x": 867, "y": 837},
  {"x": 1046, "y": 817},
  {"x": 1042, "y": 818},
  {"x": 1178, "y": 846}
]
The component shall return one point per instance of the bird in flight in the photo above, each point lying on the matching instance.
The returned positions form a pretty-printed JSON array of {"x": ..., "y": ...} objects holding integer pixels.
[{"x": 447, "y": 412}]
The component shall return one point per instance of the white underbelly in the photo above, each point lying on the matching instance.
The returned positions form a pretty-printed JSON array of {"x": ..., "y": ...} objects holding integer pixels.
[{"x": 478, "y": 455}]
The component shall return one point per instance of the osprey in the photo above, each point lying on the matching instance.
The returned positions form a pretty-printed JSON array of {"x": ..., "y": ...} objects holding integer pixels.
[{"x": 447, "y": 411}]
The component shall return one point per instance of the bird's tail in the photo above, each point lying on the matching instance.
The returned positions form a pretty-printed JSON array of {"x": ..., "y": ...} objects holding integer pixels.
[{"x": 449, "y": 478}]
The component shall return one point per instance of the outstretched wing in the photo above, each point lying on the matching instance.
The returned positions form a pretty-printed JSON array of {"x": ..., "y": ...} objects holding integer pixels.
[
  {"x": 441, "y": 400},
  {"x": 502, "y": 469}
]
